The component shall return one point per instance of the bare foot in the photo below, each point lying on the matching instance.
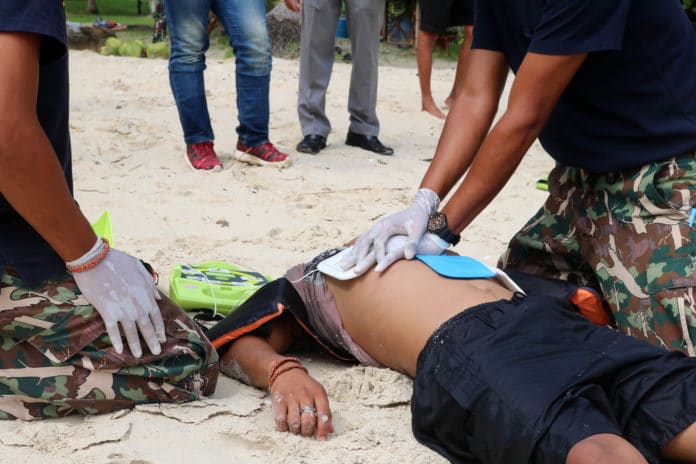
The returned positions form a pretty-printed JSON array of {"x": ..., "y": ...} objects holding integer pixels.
[{"x": 430, "y": 106}]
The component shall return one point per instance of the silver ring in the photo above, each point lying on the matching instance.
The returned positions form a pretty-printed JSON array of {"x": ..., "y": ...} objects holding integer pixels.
[
  {"x": 324, "y": 418},
  {"x": 309, "y": 409}
]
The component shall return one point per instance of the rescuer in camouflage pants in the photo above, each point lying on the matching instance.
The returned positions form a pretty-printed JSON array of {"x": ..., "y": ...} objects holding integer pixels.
[
  {"x": 56, "y": 358},
  {"x": 627, "y": 234}
]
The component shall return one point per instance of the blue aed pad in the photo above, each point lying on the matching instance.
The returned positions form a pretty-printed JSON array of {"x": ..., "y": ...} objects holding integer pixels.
[
  {"x": 465, "y": 267},
  {"x": 458, "y": 267}
]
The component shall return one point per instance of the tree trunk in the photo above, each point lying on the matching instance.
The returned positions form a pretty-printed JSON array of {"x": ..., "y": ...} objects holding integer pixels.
[{"x": 92, "y": 7}]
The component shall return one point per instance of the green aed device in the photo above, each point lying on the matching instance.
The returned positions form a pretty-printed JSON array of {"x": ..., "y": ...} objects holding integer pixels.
[{"x": 213, "y": 285}]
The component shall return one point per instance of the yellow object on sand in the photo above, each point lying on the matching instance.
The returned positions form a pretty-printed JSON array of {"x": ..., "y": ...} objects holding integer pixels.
[{"x": 102, "y": 227}]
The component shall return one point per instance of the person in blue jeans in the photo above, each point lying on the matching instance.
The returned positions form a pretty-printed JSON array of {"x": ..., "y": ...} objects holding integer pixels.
[{"x": 245, "y": 24}]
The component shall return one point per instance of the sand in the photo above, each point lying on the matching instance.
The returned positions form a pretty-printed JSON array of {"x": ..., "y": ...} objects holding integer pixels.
[{"x": 129, "y": 159}]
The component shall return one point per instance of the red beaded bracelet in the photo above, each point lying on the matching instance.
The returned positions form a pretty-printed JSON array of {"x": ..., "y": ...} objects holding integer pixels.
[
  {"x": 89, "y": 265},
  {"x": 277, "y": 373},
  {"x": 279, "y": 362}
]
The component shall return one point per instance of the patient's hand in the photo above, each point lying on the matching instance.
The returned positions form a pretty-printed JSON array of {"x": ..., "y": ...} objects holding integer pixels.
[{"x": 300, "y": 405}]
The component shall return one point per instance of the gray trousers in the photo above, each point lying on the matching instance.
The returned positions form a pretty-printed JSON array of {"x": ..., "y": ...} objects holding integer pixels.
[{"x": 317, "y": 42}]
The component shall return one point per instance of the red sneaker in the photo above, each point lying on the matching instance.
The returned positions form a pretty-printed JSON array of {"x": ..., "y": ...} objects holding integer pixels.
[
  {"x": 202, "y": 156},
  {"x": 261, "y": 155}
]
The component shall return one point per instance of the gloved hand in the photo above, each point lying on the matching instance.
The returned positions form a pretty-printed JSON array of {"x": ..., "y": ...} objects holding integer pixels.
[
  {"x": 430, "y": 244},
  {"x": 123, "y": 292},
  {"x": 411, "y": 222}
]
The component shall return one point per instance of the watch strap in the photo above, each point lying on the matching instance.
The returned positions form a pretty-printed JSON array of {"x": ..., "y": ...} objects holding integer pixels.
[{"x": 449, "y": 236}]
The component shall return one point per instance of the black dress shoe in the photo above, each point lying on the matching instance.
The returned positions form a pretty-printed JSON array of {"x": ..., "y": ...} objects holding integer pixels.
[
  {"x": 312, "y": 144},
  {"x": 368, "y": 142}
]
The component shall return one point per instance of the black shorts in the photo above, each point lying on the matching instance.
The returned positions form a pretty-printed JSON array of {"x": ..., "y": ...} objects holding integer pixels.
[
  {"x": 524, "y": 380},
  {"x": 438, "y": 15}
]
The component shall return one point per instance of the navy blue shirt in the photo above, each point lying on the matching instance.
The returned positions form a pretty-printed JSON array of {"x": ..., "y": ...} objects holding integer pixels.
[
  {"x": 632, "y": 101},
  {"x": 21, "y": 248}
]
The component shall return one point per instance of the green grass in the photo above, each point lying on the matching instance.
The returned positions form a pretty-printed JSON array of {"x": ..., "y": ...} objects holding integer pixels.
[
  {"x": 120, "y": 11},
  {"x": 140, "y": 26}
]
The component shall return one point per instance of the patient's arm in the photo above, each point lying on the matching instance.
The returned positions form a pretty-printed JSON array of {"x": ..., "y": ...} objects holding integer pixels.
[{"x": 292, "y": 389}]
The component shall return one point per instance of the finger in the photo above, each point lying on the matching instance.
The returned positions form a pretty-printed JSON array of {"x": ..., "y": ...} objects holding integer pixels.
[
  {"x": 150, "y": 282},
  {"x": 379, "y": 248},
  {"x": 410, "y": 249},
  {"x": 348, "y": 260},
  {"x": 365, "y": 264},
  {"x": 158, "y": 324},
  {"x": 131, "y": 332},
  {"x": 388, "y": 260},
  {"x": 294, "y": 421},
  {"x": 114, "y": 336},
  {"x": 380, "y": 243},
  {"x": 363, "y": 245},
  {"x": 148, "y": 331},
  {"x": 324, "y": 423},
  {"x": 414, "y": 234},
  {"x": 396, "y": 242},
  {"x": 308, "y": 419},
  {"x": 280, "y": 411},
  {"x": 143, "y": 299}
]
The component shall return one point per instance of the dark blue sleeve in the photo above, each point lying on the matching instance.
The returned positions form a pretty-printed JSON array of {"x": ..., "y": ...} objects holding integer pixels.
[
  {"x": 45, "y": 17},
  {"x": 569, "y": 27},
  {"x": 485, "y": 27}
]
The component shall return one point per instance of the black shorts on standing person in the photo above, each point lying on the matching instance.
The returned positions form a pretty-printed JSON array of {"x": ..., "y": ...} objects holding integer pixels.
[{"x": 439, "y": 15}]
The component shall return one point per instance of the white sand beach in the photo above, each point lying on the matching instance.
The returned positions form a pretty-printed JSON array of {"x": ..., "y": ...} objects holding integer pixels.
[{"x": 128, "y": 154}]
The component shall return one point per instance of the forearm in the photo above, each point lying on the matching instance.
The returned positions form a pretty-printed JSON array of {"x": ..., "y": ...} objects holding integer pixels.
[
  {"x": 253, "y": 357},
  {"x": 465, "y": 128},
  {"x": 468, "y": 121},
  {"x": 31, "y": 178},
  {"x": 497, "y": 159},
  {"x": 540, "y": 82},
  {"x": 32, "y": 182}
]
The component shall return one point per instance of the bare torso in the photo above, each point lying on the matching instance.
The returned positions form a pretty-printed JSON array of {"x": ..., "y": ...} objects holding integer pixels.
[{"x": 392, "y": 314}]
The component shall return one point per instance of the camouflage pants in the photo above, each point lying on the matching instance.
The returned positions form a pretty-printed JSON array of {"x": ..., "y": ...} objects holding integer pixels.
[
  {"x": 56, "y": 358},
  {"x": 627, "y": 234}
]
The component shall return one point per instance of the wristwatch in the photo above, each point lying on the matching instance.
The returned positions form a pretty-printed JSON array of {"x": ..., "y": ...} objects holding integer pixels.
[{"x": 437, "y": 224}]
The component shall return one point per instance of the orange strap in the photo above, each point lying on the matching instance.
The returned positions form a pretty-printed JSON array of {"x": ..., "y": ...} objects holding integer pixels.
[{"x": 590, "y": 306}]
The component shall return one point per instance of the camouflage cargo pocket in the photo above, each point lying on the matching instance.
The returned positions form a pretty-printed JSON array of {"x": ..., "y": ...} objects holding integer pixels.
[
  {"x": 54, "y": 317},
  {"x": 656, "y": 246}
]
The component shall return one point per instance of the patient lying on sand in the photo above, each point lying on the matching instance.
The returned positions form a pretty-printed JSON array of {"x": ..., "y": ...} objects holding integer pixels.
[{"x": 499, "y": 376}]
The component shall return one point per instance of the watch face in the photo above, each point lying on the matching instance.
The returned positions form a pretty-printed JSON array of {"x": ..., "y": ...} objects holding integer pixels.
[{"x": 437, "y": 222}]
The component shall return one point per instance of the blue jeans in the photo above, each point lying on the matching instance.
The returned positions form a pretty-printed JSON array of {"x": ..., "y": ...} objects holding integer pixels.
[{"x": 245, "y": 24}]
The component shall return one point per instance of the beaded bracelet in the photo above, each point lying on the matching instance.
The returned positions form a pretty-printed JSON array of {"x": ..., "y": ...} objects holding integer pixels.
[
  {"x": 277, "y": 373},
  {"x": 92, "y": 263},
  {"x": 279, "y": 362}
]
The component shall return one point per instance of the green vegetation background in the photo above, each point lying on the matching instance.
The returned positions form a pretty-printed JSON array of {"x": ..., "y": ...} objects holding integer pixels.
[
  {"x": 125, "y": 11},
  {"x": 140, "y": 25}
]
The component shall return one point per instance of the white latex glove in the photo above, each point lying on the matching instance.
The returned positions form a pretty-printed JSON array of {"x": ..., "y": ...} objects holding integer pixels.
[
  {"x": 411, "y": 222},
  {"x": 123, "y": 292},
  {"x": 429, "y": 244}
]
